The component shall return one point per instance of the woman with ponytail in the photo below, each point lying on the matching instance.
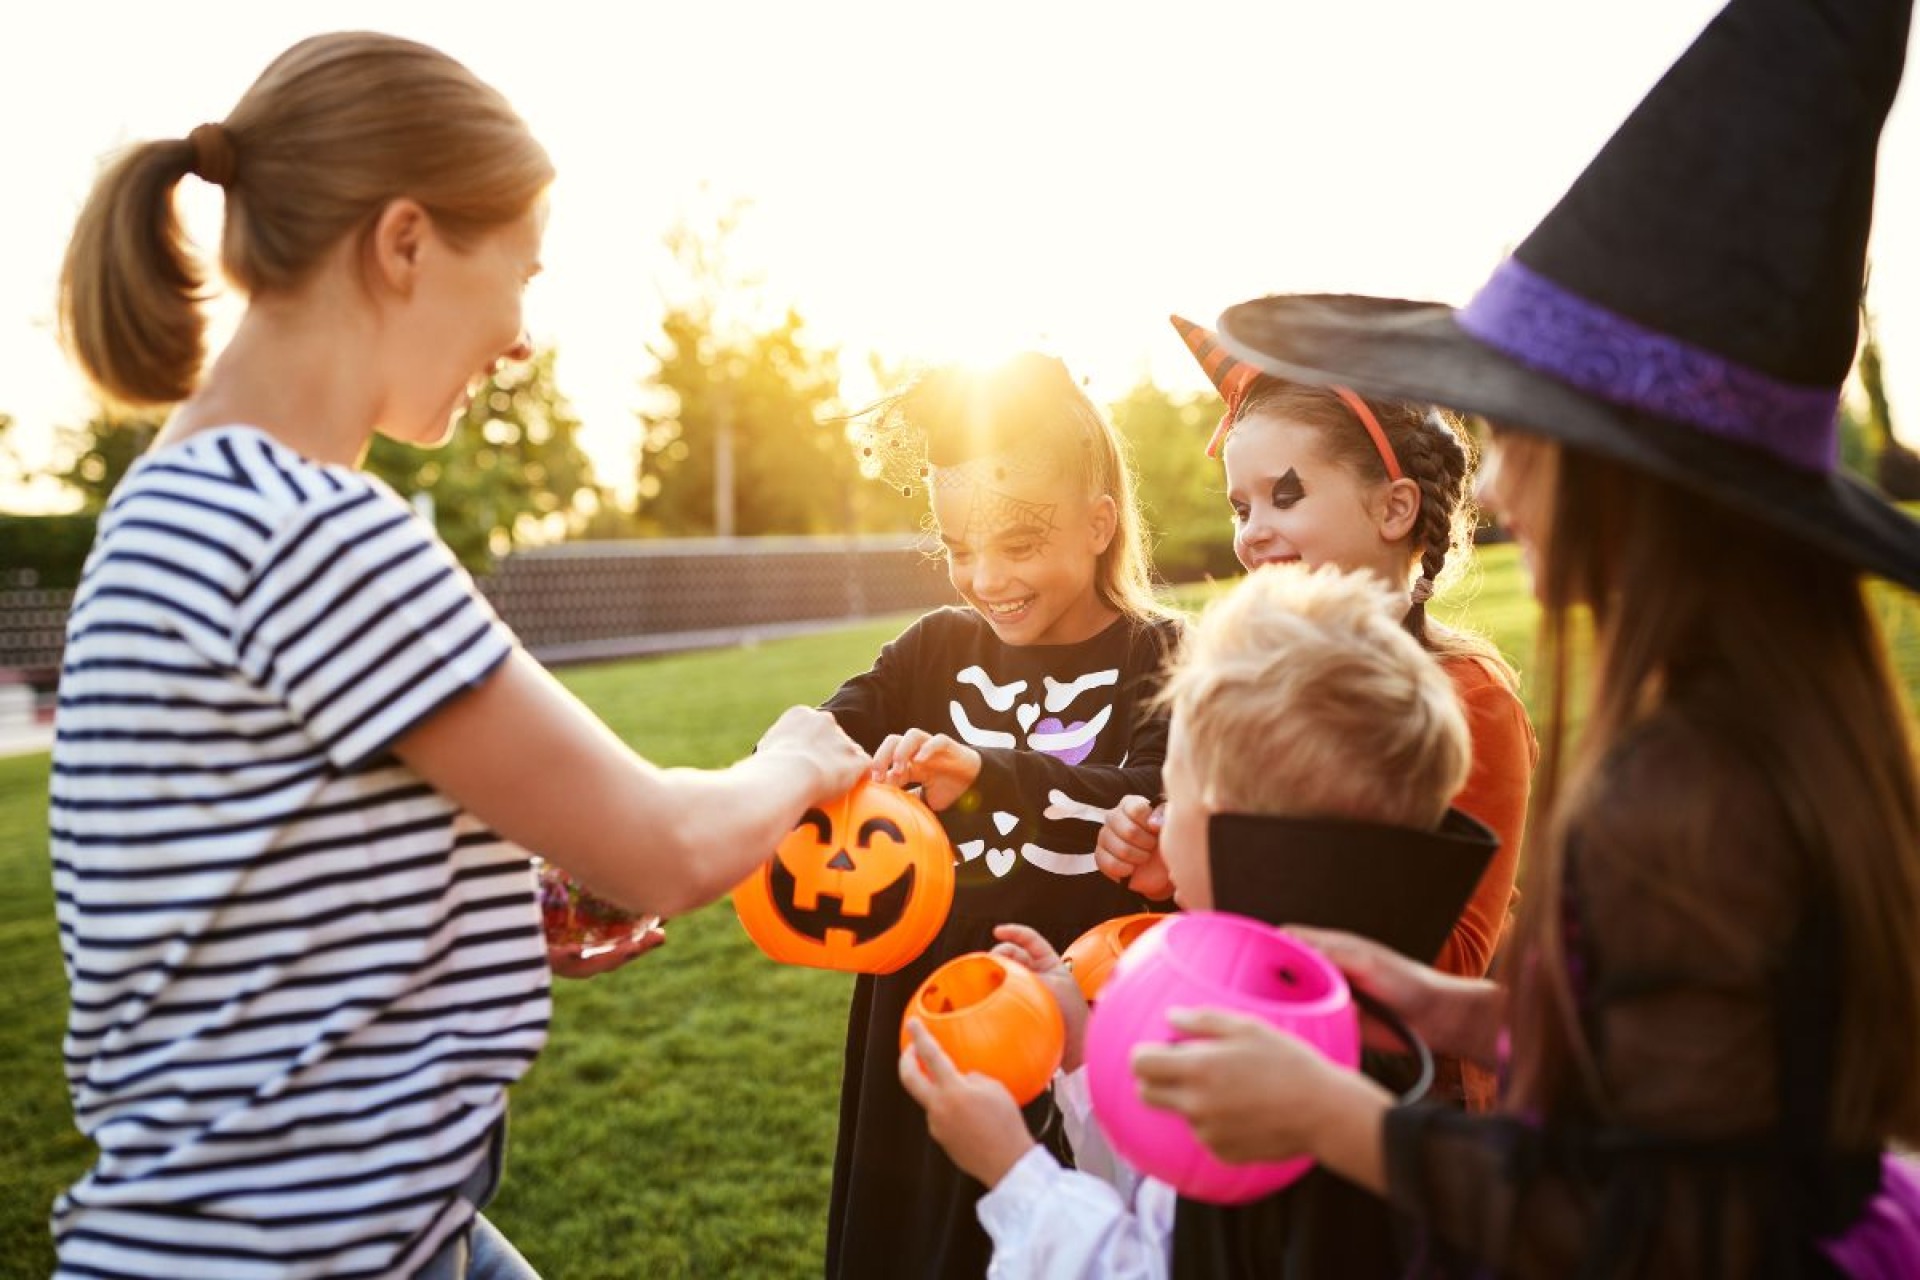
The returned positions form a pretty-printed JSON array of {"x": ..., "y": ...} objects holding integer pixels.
[{"x": 298, "y": 763}]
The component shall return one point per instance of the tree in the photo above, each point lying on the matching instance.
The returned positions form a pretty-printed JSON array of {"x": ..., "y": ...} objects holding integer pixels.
[
  {"x": 749, "y": 436},
  {"x": 1180, "y": 488},
  {"x": 100, "y": 452},
  {"x": 511, "y": 473},
  {"x": 776, "y": 397}
]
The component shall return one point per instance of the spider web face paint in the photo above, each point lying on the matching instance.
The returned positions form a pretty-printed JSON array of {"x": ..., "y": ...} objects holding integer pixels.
[{"x": 992, "y": 511}]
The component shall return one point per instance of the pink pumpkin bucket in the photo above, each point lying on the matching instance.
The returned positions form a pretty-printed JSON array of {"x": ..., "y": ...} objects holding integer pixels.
[{"x": 1215, "y": 960}]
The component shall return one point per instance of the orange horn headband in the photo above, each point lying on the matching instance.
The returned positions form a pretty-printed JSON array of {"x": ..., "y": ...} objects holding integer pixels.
[{"x": 1234, "y": 377}]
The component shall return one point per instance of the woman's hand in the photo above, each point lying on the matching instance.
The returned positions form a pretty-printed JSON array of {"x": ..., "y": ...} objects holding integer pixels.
[
  {"x": 1128, "y": 848},
  {"x": 1254, "y": 1093},
  {"x": 971, "y": 1116},
  {"x": 1457, "y": 1017},
  {"x": 944, "y": 769},
  {"x": 812, "y": 736},
  {"x": 575, "y": 962},
  {"x": 1025, "y": 947}
]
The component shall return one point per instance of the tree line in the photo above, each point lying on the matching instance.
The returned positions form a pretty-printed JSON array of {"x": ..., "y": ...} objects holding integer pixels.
[{"x": 746, "y": 434}]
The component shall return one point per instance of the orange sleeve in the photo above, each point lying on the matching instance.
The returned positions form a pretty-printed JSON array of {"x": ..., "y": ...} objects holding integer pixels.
[{"x": 1504, "y": 753}]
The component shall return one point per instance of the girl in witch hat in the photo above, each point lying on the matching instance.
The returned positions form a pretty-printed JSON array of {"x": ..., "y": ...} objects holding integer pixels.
[
  {"x": 1323, "y": 475},
  {"x": 1713, "y": 1024}
]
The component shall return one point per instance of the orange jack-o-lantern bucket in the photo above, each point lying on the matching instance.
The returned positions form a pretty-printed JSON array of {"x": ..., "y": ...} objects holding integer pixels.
[
  {"x": 993, "y": 1016},
  {"x": 1092, "y": 955},
  {"x": 862, "y": 884}
]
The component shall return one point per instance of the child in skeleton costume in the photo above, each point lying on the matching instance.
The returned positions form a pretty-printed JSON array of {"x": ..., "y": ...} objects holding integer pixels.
[
  {"x": 1314, "y": 748},
  {"x": 1711, "y": 1020},
  {"x": 1023, "y": 716}
]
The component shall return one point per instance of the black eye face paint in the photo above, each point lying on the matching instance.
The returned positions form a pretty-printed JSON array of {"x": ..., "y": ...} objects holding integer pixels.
[{"x": 1288, "y": 490}]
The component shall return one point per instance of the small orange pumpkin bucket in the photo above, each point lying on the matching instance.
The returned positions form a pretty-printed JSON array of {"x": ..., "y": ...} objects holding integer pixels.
[{"x": 992, "y": 1016}]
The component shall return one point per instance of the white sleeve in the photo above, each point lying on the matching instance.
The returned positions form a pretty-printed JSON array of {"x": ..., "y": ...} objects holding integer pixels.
[
  {"x": 1091, "y": 1153},
  {"x": 1049, "y": 1223}
]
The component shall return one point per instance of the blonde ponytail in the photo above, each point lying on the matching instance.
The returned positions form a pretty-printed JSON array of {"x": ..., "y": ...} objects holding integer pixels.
[{"x": 130, "y": 288}]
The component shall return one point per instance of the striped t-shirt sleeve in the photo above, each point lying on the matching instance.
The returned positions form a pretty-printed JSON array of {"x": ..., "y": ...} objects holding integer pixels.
[{"x": 362, "y": 624}]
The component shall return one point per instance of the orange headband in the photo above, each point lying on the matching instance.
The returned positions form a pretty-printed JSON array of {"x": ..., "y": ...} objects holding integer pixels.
[
  {"x": 1372, "y": 424},
  {"x": 1347, "y": 397}
]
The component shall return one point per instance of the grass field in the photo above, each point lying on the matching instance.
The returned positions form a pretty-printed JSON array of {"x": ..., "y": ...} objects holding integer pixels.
[{"x": 680, "y": 1123}]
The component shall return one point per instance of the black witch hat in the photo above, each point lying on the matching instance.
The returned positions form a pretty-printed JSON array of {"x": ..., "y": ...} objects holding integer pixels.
[{"x": 1690, "y": 307}]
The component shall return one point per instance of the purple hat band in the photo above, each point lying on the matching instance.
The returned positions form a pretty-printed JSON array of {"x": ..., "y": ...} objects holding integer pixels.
[{"x": 1527, "y": 317}]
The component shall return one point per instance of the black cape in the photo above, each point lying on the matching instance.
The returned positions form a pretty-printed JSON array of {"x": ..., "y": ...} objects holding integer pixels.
[{"x": 1403, "y": 887}]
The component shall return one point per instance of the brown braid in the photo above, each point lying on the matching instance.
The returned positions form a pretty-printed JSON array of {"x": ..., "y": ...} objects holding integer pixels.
[{"x": 1433, "y": 457}]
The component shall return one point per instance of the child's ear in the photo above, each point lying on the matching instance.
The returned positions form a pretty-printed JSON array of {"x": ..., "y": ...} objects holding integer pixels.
[
  {"x": 1104, "y": 522},
  {"x": 1399, "y": 509}
]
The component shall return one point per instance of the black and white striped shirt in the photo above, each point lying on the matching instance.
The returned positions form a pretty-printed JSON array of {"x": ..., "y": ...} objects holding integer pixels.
[{"x": 301, "y": 978}]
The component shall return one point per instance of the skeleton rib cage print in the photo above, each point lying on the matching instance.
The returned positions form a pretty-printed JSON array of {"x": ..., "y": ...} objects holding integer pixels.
[{"x": 1068, "y": 740}]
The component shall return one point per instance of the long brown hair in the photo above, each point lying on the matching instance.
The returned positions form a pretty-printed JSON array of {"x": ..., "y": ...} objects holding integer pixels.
[
  {"x": 1435, "y": 454},
  {"x": 334, "y": 129},
  {"x": 1677, "y": 588},
  {"x": 956, "y": 413}
]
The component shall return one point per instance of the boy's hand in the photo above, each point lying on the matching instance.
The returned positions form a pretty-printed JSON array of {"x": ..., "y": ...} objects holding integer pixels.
[
  {"x": 944, "y": 768},
  {"x": 1128, "y": 849},
  {"x": 972, "y": 1116},
  {"x": 1025, "y": 947}
]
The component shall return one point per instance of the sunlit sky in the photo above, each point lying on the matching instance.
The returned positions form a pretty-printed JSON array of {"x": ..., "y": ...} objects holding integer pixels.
[{"x": 928, "y": 180}]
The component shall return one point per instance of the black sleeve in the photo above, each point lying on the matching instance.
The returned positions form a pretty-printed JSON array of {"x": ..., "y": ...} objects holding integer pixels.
[{"x": 872, "y": 704}]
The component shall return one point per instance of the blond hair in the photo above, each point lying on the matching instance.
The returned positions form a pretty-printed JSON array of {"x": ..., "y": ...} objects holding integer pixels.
[
  {"x": 1299, "y": 694},
  {"x": 334, "y": 129},
  {"x": 1027, "y": 405}
]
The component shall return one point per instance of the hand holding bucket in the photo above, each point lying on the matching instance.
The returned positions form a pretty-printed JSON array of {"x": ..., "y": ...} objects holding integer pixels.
[{"x": 1220, "y": 961}]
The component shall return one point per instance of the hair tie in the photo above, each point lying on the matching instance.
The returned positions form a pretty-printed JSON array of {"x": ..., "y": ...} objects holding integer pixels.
[
  {"x": 213, "y": 158},
  {"x": 1372, "y": 424},
  {"x": 1423, "y": 589}
]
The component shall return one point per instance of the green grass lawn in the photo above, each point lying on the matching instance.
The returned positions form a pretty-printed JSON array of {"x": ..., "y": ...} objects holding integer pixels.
[{"x": 681, "y": 1120}]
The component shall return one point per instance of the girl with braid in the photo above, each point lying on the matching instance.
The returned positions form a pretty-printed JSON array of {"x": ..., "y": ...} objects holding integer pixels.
[{"x": 1323, "y": 476}]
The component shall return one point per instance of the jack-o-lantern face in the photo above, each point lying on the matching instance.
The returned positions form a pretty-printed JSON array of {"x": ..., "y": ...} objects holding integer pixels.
[{"x": 861, "y": 885}]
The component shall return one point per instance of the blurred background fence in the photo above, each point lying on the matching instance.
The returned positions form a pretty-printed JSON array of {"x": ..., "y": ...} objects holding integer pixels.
[{"x": 585, "y": 601}]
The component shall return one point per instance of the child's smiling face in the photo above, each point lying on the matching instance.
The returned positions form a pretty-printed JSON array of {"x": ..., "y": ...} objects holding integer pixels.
[
  {"x": 1291, "y": 502},
  {"x": 1023, "y": 548}
]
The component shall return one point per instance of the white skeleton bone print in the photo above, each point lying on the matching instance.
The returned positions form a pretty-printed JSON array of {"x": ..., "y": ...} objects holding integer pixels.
[{"x": 1071, "y": 742}]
